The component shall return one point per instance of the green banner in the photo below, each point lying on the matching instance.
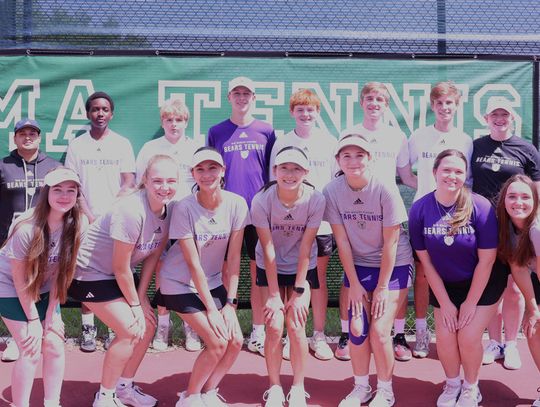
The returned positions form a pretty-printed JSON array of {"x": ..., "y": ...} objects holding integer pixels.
[{"x": 53, "y": 89}]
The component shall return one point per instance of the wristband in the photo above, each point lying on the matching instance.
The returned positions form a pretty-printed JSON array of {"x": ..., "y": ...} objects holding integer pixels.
[
  {"x": 135, "y": 305},
  {"x": 232, "y": 301},
  {"x": 32, "y": 319}
]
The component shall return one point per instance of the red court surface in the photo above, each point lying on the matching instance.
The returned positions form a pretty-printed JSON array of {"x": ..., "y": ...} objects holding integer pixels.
[{"x": 416, "y": 383}]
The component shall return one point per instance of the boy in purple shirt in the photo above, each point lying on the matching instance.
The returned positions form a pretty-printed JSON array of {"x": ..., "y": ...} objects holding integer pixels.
[{"x": 245, "y": 144}]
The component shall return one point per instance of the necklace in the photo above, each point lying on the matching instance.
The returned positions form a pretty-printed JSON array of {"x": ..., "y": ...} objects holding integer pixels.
[{"x": 448, "y": 214}]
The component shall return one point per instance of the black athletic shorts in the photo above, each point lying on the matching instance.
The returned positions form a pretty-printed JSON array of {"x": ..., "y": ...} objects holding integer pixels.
[
  {"x": 250, "y": 242},
  {"x": 457, "y": 291},
  {"x": 326, "y": 245},
  {"x": 97, "y": 291},
  {"x": 536, "y": 286},
  {"x": 190, "y": 303},
  {"x": 288, "y": 280}
]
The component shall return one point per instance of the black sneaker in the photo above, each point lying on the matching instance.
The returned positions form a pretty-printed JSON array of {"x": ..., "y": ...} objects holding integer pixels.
[
  {"x": 342, "y": 350},
  {"x": 88, "y": 338},
  {"x": 402, "y": 351}
]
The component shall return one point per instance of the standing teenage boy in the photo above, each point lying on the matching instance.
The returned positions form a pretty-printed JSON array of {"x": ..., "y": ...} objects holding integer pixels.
[
  {"x": 245, "y": 144},
  {"x": 319, "y": 146},
  {"x": 390, "y": 155},
  {"x": 105, "y": 163},
  {"x": 424, "y": 145},
  {"x": 21, "y": 179},
  {"x": 174, "y": 143}
]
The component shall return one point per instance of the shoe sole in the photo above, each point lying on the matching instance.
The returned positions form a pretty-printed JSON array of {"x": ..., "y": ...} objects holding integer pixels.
[
  {"x": 87, "y": 350},
  {"x": 420, "y": 355},
  {"x": 344, "y": 358}
]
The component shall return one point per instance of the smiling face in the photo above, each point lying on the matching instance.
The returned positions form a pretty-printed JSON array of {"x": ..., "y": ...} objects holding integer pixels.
[
  {"x": 27, "y": 140},
  {"x": 499, "y": 121},
  {"x": 289, "y": 175},
  {"x": 161, "y": 182},
  {"x": 374, "y": 105},
  {"x": 450, "y": 174},
  {"x": 100, "y": 113},
  {"x": 445, "y": 108},
  {"x": 518, "y": 201},
  {"x": 353, "y": 160},
  {"x": 305, "y": 116},
  {"x": 241, "y": 99},
  {"x": 63, "y": 196},
  {"x": 208, "y": 175}
]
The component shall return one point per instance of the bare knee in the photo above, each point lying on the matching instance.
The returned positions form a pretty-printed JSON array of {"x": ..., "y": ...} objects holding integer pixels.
[
  {"x": 296, "y": 332},
  {"x": 236, "y": 342},
  {"x": 513, "y": 294},
  {"x": 379, "y": 336},
  {"x": 274, "y": 328},
  {"x": 468, "y": 342},
  {"x": 53, "y": 345}
]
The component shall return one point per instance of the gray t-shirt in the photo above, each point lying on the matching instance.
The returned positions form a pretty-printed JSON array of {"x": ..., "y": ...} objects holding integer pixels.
[
  {"x": 210, "y": 231},
  {"x": 364, "y": 213},
  {"x": 534, "y": 235},
  {"x": 130, "y": 220},
  {"x": 17, "y": 248},
  {"x": 287, "y": 225}
]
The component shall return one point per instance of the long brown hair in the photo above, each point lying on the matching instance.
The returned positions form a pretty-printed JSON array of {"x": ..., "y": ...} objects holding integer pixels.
[
  {"x": 523, "y": 252},
  {"x": 464, "y": 204},
  {"x": 38, "y": 252}
]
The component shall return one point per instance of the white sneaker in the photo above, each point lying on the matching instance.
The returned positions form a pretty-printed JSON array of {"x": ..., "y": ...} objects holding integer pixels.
[
  {"x": 512, "y": 361},
  {"x": 161, "y": 338},
  {"x": 319, "y": 346},
  {"x": 274, "y": 396},
  {"x": 11, "y": 353},
  {"x": 449, "y": 396},
  {"x": 134, "y": 396},
  {"x": 212, "y": 398},
  {"x": 297, "y": 397},
  {"x": 360, "y": 394},
  {"x": 492, "y": 352},
  {"x": 195, "y": 400},
  {"x": 469, "y": 397},
  {"x": 286, "y": 352},
  {"x": 536, "y": 403},
  {"x": 383, "y": 398},
  {"x": 101, "y": 401},
  {"x": 256, "y": 343},
  {"x": 421, "y": 347},
  {"x": 193, "y": 342}
]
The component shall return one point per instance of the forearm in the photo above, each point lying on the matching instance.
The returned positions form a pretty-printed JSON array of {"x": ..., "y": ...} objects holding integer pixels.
[
  {"x": 481, "y": 275},
  {"x": 233, "y": 276},
  {"x": 126, "y": 283},
  {"x": 201, "y": 285},
  {"x": 434, "y": 279}
]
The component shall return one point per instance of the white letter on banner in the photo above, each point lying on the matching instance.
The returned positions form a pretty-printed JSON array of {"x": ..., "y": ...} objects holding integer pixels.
[
  {"x": 171, "y": 90},
  {"x": 267, "y": 113},
  {"x": 14, "y": 114},
  {"x": 336, "y": 114},
  {"x": 73, "y": 97},
  {"x": 409, "y": 98},
  {"x": 480, "y": 101}
]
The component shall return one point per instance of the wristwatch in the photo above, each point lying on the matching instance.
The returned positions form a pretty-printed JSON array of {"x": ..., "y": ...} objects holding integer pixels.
[
  {"x": 232, "y": 301},
  {"x": 299, "y": 290}
]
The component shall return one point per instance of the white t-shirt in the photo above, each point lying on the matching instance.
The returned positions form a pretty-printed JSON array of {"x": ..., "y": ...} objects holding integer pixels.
[
  {"x": 99, "y": 164},
  {"x": 130, "y": 220},
  {"x": 320, "y": 149},
  {"x": 389, "y": 150},
  {"x": 181, "y": 152},
  {"x": 424, "y": 146},
  {"x": 210, "y": 231}
]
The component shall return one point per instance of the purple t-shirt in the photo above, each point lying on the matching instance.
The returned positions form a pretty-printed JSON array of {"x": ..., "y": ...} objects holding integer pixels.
[
  {"x": 246, "y": 153},
  {"x": 456, "y": 257}
]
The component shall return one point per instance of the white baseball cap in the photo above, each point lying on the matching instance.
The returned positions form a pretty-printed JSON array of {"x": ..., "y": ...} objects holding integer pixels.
[
  {"x": 498, "y": 102},
  {"x": 242, "y": 81},
  {"x": 292, "y": 155},
  {"x": 206, "y": 154},
  {"x": 353, "y": 139},
  {"x": 59, "y": 175}
]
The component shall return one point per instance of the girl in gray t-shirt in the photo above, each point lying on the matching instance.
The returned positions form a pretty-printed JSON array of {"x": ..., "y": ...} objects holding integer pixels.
[
  {"x": 33, "y": 282},
  {"x": 135, "y": 230},
  {"x": 519, "y": 246},
  {"x": 366, "y": 216},
  {"x": 209, "y": 225},
  {"x": 287, "y": 214}
]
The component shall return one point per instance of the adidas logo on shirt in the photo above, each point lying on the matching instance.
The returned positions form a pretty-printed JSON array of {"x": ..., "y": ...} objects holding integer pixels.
[
  {"x": 89, "y": 295},
  {"x": 288, "y": 217},
  {"x": 358, "y": 202},
  {"x": 212, "y": 221},
  {"x": 443, "y": 142},
  {"x": 243, "y": 135},
  {"x": 158, "y": 230},
  {"x": 498, "y": 150}
]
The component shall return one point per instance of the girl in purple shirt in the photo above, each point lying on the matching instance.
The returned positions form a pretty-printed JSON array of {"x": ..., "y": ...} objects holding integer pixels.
[
  {"x": 454, "y": 233},
  {"x": 519, "y": 246}
]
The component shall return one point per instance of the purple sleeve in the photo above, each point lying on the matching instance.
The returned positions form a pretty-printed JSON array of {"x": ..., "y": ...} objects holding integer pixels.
[
  {"x": 485, "y": 223},
  {"x": 267, "y": 155},
  {"x": 416, "y": 226},
  {"x": 210, "y": 142}
]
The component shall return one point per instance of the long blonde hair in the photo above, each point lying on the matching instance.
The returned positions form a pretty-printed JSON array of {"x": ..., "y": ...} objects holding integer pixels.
[
  {"x": 464, "y": 204},
  {"x": 38, "y": 252}
]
